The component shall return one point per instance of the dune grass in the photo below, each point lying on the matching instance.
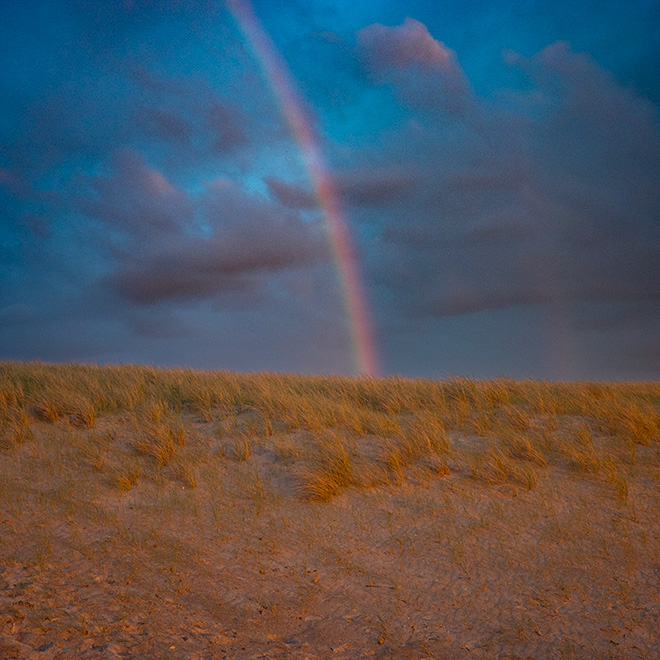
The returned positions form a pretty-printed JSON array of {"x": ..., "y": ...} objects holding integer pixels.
[{"x": 178, "y": 513}]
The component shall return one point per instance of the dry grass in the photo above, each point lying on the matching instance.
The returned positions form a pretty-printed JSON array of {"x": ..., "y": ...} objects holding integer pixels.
[{"x": 296, "y": 516}]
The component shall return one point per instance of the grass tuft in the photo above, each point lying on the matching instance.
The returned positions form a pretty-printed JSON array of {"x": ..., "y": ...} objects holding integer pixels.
[{"x": 328, "y": 470}]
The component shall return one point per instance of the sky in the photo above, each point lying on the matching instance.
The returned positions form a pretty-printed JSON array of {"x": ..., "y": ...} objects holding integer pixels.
[{"x": 461, "y": 188}]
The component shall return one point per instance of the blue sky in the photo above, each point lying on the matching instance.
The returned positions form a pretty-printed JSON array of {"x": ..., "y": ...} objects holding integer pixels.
[{"x": 498, "y": 164}]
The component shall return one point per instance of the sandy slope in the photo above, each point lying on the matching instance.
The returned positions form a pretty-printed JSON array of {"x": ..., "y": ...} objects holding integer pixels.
[{"x": 237, "y": 565}]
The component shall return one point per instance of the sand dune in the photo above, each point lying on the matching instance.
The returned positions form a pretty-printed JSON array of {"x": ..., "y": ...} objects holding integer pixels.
[{"x": 178, "y": 514}]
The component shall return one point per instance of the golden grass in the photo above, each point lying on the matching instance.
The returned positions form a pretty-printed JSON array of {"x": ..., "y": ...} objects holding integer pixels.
[{"x": 250, "y": 498}]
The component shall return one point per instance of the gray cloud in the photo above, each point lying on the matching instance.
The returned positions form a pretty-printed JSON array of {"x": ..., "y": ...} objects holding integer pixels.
[
  {"x": 234, "y": 263},
  {"x": 363, "y": 187},
  {"x": 169, "y": 244},
  {"x": 293, "y": 196},
  {"x": 422, "y": 70},
  {"x": 554, "y": 197},
  {"x": 135, "y": 199}
]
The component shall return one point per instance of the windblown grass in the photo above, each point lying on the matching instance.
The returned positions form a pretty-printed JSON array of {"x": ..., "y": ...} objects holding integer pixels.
[{"x": 248, "y": 502}]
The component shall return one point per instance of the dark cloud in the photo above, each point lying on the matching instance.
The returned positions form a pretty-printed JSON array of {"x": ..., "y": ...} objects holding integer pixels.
[
  {"x": 364, "y": 187},
  {"x": 563, "y": 209},
  {"x": 367, "y": 187},
  {"x": 225, "y": 122},
  {"x": 293, "y": 196},
  {"x": 84, "y": 111},
  {"x": 75, "y": 118},
  {"x": 169, "y": 244},
  {"x": 136, "y": 199},
  {"x": 166, "y": 125},
  {"x": 234, "y": 263},
  {"x": 187, "y": 111}
]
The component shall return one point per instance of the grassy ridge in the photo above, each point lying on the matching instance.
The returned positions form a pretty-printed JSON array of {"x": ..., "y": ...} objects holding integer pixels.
[
  {"x": 263, "y": 508},
  {"x": 591, "y": 427}
]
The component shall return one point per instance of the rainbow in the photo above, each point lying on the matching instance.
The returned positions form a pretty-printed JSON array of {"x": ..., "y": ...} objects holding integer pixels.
[{"x": 292, "y": 106}]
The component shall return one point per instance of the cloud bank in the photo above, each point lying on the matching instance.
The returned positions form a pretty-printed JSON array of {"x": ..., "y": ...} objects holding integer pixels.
[{"x": 154, "y": 206}]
